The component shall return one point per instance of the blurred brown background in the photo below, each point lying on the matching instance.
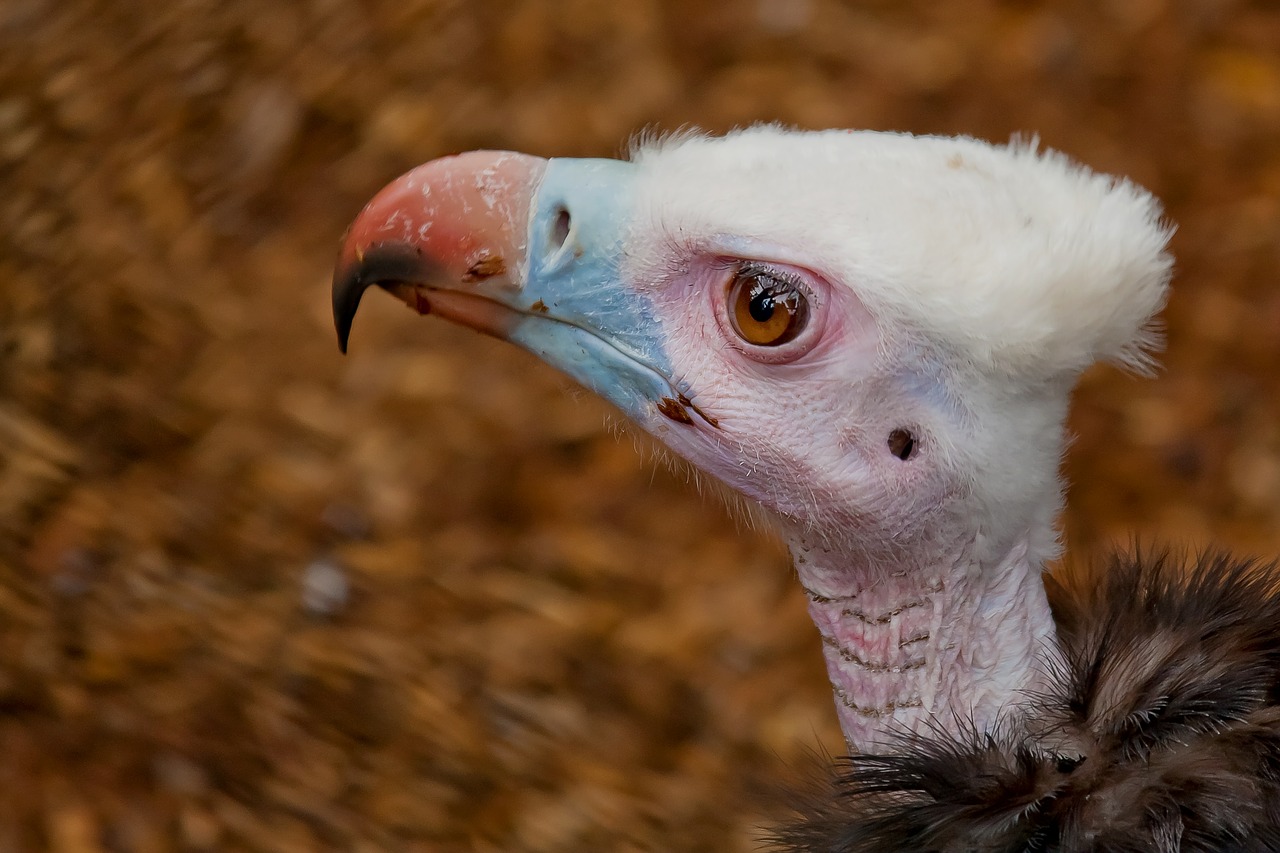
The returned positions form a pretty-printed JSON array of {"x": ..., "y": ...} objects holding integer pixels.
[{"x": 255, "y": 596}]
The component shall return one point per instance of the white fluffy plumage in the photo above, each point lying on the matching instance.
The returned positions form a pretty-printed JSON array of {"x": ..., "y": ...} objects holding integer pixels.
[
  {"x": 995, "y": 274},
  {"x": 1013, "y": 259}
]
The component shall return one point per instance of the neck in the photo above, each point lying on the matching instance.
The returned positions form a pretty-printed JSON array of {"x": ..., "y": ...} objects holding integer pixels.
[{"x": 956, "y": 640}]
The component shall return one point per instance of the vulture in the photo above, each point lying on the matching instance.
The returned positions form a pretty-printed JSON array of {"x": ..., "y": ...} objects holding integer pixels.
[{"x": 874, "y": 337}]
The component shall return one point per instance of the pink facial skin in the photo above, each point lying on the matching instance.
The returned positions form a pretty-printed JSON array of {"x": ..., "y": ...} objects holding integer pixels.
[
  {"x": 907, "y": 603},
  {"x": 816, "y": 411}
]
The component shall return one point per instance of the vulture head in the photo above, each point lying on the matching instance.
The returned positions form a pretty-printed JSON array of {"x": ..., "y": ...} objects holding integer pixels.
[{"x": 871, "y": 335}]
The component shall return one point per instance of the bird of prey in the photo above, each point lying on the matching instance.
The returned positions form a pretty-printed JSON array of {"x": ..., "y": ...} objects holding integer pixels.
[{"x": 874, "y": 337}]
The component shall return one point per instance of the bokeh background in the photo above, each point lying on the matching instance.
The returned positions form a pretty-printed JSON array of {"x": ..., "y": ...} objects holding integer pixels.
[{"x": 256, "y": 596}]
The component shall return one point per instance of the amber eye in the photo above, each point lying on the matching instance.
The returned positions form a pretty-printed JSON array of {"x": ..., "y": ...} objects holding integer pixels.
[{"x": 766, "y": 311}]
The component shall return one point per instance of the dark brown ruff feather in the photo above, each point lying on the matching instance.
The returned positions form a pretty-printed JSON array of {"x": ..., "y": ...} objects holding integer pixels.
[{"x": 1161, "y": 732}]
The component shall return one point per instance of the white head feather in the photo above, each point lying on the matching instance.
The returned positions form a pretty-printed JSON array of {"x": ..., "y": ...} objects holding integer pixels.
[
  {"x": 995, "y": 273},
  {"x": 1013, "y": 259}
]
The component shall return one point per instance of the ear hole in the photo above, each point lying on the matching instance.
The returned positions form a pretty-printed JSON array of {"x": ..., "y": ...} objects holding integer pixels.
[
  {"x": 902, "y": 443},
  {"x": 560, "y": 228}
]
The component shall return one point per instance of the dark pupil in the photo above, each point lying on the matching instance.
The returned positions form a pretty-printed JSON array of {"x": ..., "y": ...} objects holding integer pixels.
[{"x": 761, "y": 307}]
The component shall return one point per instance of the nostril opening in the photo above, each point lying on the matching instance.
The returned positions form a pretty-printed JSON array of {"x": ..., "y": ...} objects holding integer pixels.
[
  {"x": 560, "y": 229},
  {"x": 902, "y": 443}
]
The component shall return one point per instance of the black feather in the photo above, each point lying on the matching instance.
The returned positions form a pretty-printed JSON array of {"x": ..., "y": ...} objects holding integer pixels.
[{"x": 1160, "y": 732}]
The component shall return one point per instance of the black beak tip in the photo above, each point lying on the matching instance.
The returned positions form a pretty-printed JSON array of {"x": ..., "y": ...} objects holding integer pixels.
[
  {"x": 348, "y": 288},
  {"x": 380, "y": 264}
]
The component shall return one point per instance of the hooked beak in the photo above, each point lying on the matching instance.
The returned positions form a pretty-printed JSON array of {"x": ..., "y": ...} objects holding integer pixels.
[
  {"x": 446, "y": 226},
  {"x": 525, "y": 249}
]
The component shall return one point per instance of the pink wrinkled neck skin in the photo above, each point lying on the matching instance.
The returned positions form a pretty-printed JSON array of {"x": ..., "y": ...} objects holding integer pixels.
[{"x": 957, "y": 643}]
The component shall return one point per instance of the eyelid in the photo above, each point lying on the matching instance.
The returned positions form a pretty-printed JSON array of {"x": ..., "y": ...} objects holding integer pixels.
[{"x": 789, "y": 277}]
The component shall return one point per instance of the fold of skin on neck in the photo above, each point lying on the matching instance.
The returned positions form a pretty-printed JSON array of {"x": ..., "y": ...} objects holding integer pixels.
[{"x": 951, "y": 642}]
